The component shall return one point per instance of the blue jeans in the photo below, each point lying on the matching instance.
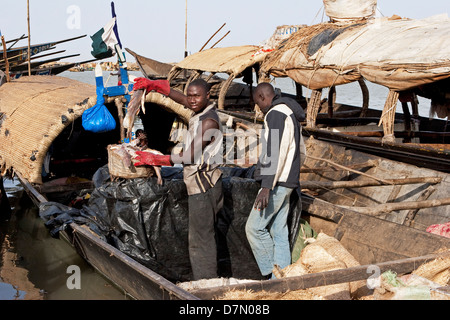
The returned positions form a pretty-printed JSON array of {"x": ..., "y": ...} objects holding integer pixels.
[{"x": 268, "y": 233}]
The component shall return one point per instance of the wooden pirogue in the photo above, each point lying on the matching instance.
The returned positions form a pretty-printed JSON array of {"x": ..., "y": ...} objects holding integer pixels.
[{"x": 400, "y": 247}]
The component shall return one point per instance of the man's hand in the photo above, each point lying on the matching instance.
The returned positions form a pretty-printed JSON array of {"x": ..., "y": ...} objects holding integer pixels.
[
  {"x": 152, "y": 159},
  {"x": 262, "y": 200},
  {"x": 161, "y": 86}
]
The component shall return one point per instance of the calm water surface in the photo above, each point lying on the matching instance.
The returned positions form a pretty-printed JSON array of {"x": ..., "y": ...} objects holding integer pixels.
[{"x": 45, "y": 258}]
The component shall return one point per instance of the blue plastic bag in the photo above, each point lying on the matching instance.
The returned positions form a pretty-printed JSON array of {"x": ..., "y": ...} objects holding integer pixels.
[{"x": 98, "y": 118}]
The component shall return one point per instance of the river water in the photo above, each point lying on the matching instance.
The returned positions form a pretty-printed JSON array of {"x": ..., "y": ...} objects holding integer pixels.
[{"x": 35, "y": 266}]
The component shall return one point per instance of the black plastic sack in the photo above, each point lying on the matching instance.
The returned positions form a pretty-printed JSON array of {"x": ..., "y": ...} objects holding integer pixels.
[{"x": 149, "y": 222}]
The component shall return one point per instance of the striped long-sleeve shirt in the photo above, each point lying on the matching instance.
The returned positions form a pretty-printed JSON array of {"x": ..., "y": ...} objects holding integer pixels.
[{"x": 281, "y": 157}]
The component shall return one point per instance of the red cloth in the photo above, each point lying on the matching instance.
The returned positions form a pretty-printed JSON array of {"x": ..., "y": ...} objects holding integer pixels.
[
  {"x": 440, "y": 229},
  {"x": 151, "y": 159},
  {"x": 160, "y": 86}
]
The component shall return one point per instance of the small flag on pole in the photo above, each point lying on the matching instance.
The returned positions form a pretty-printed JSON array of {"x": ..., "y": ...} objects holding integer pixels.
[{"x": 104, "y": 41}]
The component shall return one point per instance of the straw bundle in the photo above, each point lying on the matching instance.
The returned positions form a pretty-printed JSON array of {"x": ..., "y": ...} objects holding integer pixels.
[
  {"x": 265, "y": 295},
  {"x": 313, "y": 108},
  {"x": 325, "y": 253},
  {"x": 388, "y": 116},
  {"x": 437, "y": 270},
  {"x": 337, "y": 251},
  {"x": 317, "y": 259},
  {"x": 36, "y": 110}
]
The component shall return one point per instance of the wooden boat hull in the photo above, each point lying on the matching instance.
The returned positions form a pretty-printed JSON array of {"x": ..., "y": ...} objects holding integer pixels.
[
  {"x": 45, "y": 71},
  {"x": 355, "y": 230},
  {"x": 373, "y": 241},
  {"x": 139, "y": 283},
  {"x": 436, "y": 157}
]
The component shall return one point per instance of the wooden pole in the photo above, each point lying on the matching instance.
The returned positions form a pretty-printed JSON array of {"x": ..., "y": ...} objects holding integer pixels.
[
  {"x": 185, "y": 33},
  {"x": 395, "y": 206},
  {"x": 306, "y": 184},
  {"x": 212, "y": 37},
  {"x": 29, "y": 37},
  {"x": 220, "y": 39},
  {"x": 5, "y": 207},
  {"x": 120, "y": 105},
  {"x": 349, "y": 169},
  {"x": 5, "y": 56},
  {"x": 367, "y": 164}
]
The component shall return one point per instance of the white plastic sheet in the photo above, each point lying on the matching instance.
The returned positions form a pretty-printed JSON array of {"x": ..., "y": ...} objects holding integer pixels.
[{"x": 345, "y": 10}]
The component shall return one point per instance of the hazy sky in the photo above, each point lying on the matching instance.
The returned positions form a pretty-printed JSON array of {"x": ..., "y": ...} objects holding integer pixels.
[{"x": 156, "y": 29}]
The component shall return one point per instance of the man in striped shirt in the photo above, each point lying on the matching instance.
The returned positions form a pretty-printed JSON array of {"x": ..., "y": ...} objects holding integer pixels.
[{"x": 278, "y": 172}]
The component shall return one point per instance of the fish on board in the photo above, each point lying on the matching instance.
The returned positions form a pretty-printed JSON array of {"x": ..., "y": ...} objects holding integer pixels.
[
  {"x": 127, "y": 152},
  {"x": 136, "y": 103}
]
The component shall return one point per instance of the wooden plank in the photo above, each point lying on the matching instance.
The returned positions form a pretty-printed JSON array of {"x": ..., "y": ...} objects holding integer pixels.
[
  {"x": 370, "y": 239},
  {"x": 31, "y": 191},
  {"x": 409, "y": 217},
  {"x": 322, "y": 209},
  {"x": 358, "y": 273},
  {"x": 5, "y": 207}
]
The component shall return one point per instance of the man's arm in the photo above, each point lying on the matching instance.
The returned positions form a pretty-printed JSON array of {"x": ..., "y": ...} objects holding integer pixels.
[
  {"x": 160, "y": 86},
  {"x": 178, "y": 97}
]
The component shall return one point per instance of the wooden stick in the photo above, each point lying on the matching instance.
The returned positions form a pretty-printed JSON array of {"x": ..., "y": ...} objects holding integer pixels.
[
  {"x": 15, "y": 41},
  {"x": 31, "y": 191},
  {"x": 220, "y": 40},
  {"x": 409, "y": 218},
  {"x": 410, "y": 205},
  {"x": 185, "y": 30},
  {"x": 29, "y": 38},
  {"x": 349, "y": 169},
  {"x": 5, "y": 56},
  {"x": 212, "y": 37},
  {"x": 369, "y": 163},
  {"x": 119, "y": 104},
  {"x": 399, "y": 134},
  {"x": 365, "y": 183}
]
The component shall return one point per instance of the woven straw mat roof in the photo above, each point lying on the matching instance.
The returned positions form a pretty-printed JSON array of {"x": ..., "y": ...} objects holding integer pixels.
[
  {"x": 35, "y": 111},
  {"x": 397, "y": 53},
  {"x": 231, "y": 60}
]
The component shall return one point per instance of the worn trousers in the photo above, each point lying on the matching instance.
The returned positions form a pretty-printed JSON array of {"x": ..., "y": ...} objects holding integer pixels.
[
  {"x": 268, "y": 234},
  {"x": 203, "y": 211}
]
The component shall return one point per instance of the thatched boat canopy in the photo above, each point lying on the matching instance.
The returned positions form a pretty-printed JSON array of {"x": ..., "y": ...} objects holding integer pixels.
[
  {"x": 409, "y": 57},
  {"x": 236, "y": 62},
  {"x": 35, "y": 110},
  {"x": 230, "y": 60},
  {"x": 399, "y": 54}
]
